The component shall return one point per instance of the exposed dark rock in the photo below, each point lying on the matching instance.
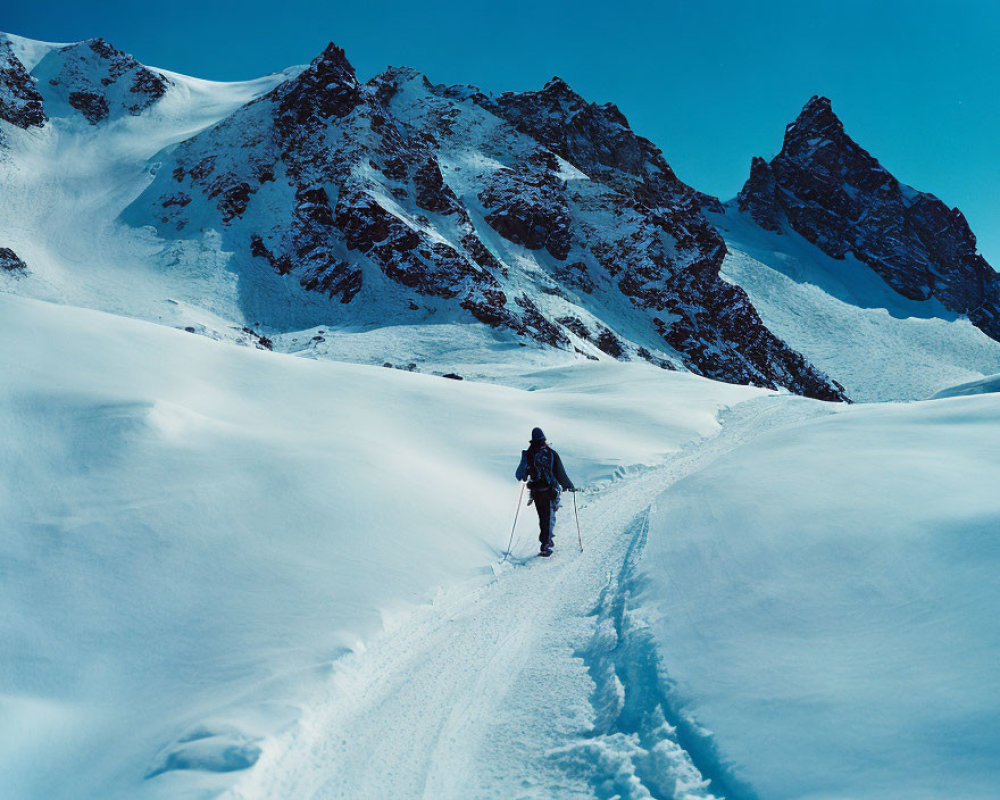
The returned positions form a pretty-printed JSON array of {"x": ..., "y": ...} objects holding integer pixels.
[
  {"x": 527, "y": 206},
  {"x": 662, "y": 363},
  {"x": 452, "y": 376},
  {"x": 481, "y": 255},
  {"x": 177, "y": 199},
  {"x": 260, "y": 341},
  {"x": 576, "y": 325},
  {"x": 610, "y": 344},
  {"x": 834, "y": 193},
  {"x": 309, "y": 251},
  {"x": 538, "y": 325},
  {"x": 11, "y": 263},
  {"x": 327, "y": 88},
  {"x": 576, "y": 275},
  {"x": 20, "y": 102},
  {"x": 89, "y": 71},
  {"x": 149, "y": 85},
  {"x": 92, "y": 105},
  {"x": 605, "y": 340},
  {"x": 758, "y": 197},
  {"x": 433, "y": 194},
  {"x": 235, "y": 200}
]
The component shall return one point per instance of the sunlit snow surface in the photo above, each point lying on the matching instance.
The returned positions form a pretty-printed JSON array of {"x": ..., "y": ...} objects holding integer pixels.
[
  {"x": 848, "y": 322},
  {"x": 193, "y": 532},
  {"x": 826, "y": 602}
]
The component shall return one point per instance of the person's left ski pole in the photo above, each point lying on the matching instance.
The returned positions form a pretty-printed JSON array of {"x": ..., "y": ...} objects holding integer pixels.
[
  {"x": 579, "y": 535},
  {"x": 520, "y": 497}
]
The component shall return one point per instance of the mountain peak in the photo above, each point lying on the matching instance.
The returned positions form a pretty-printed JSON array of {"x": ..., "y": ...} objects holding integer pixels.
[
  {"x": 327, "y": 88},
  {"x": 556, "y": 85},
  {"x": 826, "y": 187},
  {"x": 815, "y": 105},
  {"x": 333, "y": 59},
  {"x": 816, "y": 119}
]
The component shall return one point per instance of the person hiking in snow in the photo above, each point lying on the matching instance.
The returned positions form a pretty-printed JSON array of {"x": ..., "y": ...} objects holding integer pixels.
[{"x": 543, "y": 469}]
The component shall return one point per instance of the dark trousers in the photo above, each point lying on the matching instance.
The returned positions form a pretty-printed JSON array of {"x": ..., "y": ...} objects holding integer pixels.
[{"x": 544, "y": 500}]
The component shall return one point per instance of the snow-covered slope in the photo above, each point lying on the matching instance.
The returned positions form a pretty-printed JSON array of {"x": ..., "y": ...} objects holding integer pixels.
[
  {"x": 987, "y": 385},
  {"x": 831, "y": 615},
  {"x": 64, "y": 185},
  {"x": 848, "y": 321},
  {"x": 195, "y": 533}
]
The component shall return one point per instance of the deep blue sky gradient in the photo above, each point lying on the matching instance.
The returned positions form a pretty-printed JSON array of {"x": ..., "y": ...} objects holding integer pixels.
[{"x": 712, "y": 83}]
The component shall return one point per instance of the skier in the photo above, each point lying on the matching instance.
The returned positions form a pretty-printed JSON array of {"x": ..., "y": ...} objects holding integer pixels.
[{"x": 543, "y": 469}]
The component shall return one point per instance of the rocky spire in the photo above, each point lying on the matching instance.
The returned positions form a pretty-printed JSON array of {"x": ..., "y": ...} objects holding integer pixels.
[
  {"x": 828, "y": 188},
  {"x": 327, "y": 88}
]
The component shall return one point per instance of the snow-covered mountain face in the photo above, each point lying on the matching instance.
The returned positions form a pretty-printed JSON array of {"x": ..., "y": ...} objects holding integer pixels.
[
  {"x": 328, "y": 202},
  {"x": 293, "y": 210},
  {"x": 534, "y": 212},
  {"x": 827, "y": 188}
]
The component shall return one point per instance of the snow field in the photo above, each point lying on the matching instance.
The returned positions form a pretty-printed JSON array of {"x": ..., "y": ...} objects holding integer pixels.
[
  {"x": 826, "y": 602},
  {"x": 196, "y": 533}
]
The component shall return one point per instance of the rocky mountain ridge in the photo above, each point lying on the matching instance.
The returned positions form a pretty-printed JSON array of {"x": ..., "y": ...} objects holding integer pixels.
[
  {"x": 396, "y": 201},
  {"x": 534, "y": 212}
]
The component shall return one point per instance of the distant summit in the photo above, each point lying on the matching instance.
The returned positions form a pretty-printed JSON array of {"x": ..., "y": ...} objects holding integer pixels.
[{"x": 826, "y": 187}]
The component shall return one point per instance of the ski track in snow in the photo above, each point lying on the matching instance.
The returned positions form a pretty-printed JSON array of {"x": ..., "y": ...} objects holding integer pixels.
[{"x": 537, "y": 681}]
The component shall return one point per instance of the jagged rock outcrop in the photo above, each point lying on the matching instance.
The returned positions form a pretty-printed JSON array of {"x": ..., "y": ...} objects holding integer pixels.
[
  {"x": 20, "y": 102},
  {"x": 406, "y": 200},
  {"x": 102, "y": 82},
  {"x": 834, "y": 193},
  {"x": 11, "y": 263}
]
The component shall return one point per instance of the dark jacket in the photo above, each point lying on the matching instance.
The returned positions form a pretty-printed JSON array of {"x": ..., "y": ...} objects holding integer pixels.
[{"x": 558, "y": 471}]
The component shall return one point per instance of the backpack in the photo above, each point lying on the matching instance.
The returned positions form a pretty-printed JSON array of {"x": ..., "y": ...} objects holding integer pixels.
[{"x": 540, "y": 470}]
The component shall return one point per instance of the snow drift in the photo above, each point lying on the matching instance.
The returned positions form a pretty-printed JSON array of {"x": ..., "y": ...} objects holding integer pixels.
[{"x": 826, "y": 603}]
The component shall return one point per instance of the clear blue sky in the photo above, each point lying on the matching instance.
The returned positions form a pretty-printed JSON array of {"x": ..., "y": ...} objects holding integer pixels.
[{"x": 712, "y": 83}]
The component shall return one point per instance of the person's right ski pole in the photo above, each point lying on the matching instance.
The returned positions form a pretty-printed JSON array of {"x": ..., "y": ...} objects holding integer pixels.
[
  {"x": 520, "y": 497},
  {"x": 579, "y": 535}
]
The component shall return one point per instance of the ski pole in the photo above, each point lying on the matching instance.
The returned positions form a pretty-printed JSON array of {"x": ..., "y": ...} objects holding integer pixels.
[
  {"x": 520, "y": 497},
  {"x": 579, "y": 535}
]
